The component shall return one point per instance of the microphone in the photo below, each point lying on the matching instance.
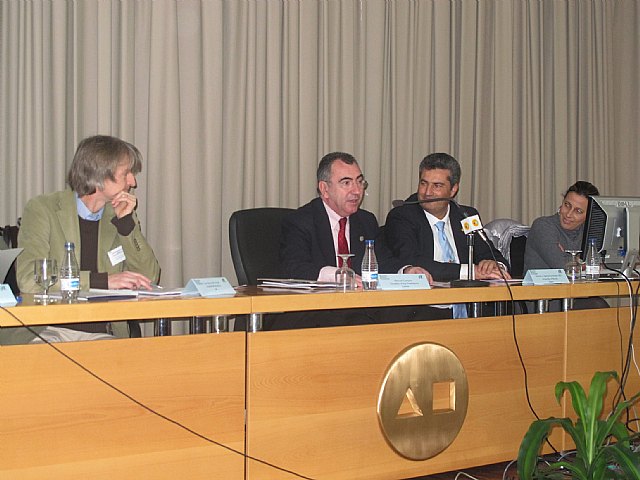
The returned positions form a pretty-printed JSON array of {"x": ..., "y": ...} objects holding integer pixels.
[
  {"x": 426, "y": 200},
  {"x": 472, "y": 223}
]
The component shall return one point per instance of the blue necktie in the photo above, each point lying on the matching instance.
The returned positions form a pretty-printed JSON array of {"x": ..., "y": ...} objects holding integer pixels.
[{"x": 459, "y": 310}]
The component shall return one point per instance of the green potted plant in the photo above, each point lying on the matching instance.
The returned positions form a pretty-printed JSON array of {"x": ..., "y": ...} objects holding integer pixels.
[{"x": 603, "y": 446}]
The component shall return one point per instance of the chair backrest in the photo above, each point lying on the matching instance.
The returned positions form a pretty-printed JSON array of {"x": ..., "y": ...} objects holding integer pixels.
[
  {"x": 510, "y": 237},
  {"x": 518, "y": 245},
  {"x": 9, "y": 235},
  {"x": 254, "y": 238}
]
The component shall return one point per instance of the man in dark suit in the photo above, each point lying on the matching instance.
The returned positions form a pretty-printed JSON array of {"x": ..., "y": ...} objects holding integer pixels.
[
  {"x": 414, "y": 231},
  {"x": 310, "y": 242}
]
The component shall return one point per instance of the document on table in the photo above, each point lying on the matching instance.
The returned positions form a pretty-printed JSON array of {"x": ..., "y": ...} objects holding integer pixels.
[
  {"x": 113, "y": 294},
  {"x": 98, "y": 294},
  {"x": 295, "y": 284},
  {"x": 158, "y": 291}
]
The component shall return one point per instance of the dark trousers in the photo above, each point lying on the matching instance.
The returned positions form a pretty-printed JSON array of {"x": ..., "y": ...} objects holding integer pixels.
[
  {"x": 353, "y": 316},
  {"x": 588, "y": 303}
]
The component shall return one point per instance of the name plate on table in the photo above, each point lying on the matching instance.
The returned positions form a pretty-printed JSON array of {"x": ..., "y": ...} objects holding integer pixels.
[
  {"x": 545, "y": 276},
  {"x": 209, "y": 287},
  {"x": 6, "y": 296},
  {"x": 396, "y": 281}
]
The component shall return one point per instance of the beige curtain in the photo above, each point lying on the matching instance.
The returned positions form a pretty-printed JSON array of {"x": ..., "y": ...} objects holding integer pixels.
[{"x": 233, "y": 102}]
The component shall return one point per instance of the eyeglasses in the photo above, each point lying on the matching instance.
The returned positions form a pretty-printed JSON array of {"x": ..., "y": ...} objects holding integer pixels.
[{"x": 348, "y": 183}]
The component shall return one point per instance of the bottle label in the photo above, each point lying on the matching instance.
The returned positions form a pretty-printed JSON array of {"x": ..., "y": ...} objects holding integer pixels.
[
  {"x": 69, "y": 284},
  {"x": 592, "y": 270},
  {"x": 369, "y": 276}
]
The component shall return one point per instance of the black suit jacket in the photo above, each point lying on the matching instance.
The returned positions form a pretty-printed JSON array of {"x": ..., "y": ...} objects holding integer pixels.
[
  {"x": 306, "y": 246},
  {"x": 410, "y": 238},
  {"x": 306, "y": 243}
]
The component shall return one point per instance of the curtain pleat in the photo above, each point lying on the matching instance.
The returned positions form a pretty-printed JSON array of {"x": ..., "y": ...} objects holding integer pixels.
[{"x": 233, "y": 103}]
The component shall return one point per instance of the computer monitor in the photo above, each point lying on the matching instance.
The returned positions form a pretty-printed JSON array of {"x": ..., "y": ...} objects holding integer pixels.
[{"x": 615, "y": 224}]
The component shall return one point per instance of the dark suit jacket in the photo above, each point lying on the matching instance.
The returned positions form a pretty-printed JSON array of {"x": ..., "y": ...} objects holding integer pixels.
[
  {"x": 306, "y": 246},
  {"x": 306, "y": 243},
  {"x": 409, "y": 236}
]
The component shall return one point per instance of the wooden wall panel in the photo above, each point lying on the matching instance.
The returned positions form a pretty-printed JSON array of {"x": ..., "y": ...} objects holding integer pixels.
[
  {"x": 57, "y": 421},
  {"x": 312, "y": 394}
]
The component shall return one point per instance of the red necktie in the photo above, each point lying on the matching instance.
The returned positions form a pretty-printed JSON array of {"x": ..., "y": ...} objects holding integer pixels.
[{"x": 343, "y": 246}]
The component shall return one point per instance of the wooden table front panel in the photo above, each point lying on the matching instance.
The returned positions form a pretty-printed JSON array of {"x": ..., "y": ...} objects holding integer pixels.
[
  {"x": 598, "y": 340},
  {"x": 59, "y": 422},
  {"x": 312, "y": 394}
]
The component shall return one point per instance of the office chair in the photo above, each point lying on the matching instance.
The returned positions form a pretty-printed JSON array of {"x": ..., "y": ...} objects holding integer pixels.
[
  {"x": 516, "y": 257},
  {"x": 254, "y": 238},
  {"x": 510, "y": 238},
  {"x": 9, "y": 235}
]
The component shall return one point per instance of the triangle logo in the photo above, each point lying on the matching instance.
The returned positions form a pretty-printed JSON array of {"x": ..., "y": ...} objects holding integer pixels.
[{"x": 409, "y": 406}]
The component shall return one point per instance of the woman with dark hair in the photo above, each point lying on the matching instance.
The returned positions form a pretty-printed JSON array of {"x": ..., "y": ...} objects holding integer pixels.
[{"x": 551, "y": 237}]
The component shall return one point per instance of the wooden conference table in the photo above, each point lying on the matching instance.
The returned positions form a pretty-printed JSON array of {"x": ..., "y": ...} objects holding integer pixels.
[{"x": 283, "y": 404}]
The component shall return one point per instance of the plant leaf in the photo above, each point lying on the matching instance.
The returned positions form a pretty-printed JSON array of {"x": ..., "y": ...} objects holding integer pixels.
[
  {"x": 621, "y": 434},
  {"x": 597, "y": 391},
  {"x": 628, "y": 460},
  {"x": 576, "y": 468},
  {"x": 595, "y": 457},
  {"x": 531, "y": 444},
  {"x": 598, "y": 467},
  {"x": 578, "y": 397}
]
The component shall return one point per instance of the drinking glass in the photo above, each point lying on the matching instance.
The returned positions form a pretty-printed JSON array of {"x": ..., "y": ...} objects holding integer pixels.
[
  {"x": 573, "y": 268},
  {"x": 45, "y": 272},
  {"x": 345, "y": 276}
]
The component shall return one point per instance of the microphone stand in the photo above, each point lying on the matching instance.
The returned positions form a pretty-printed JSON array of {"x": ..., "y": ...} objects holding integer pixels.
[
  {"x": 476, "y": 308},
  {"x": 471, "y": 282}
]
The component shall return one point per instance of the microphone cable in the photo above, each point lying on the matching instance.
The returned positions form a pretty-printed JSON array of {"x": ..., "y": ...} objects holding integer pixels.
[
  {"x": 630, "y": 352},
  {"x": 513, "y": 324},
  {"x": 146, "y": 407},
  {"x": 485, "y": 238}
]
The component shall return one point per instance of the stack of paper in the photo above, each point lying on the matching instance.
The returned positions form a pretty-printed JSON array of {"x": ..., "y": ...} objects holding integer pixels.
[
  {"x": 158, "y": 291},
  {"x": 294, "y": 283},
  {"x": 97, "y": 294}
]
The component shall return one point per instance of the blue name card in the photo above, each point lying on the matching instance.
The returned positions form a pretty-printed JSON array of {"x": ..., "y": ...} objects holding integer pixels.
[
  {"x": 209, "y": 287},
  {"x": 6, "y": 296},
  {"x": 545, "y": 276},
  {"x": 408, "y": 281}
]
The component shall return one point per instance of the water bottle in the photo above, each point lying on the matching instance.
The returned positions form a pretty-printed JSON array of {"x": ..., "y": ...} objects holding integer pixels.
[
  {"x": 592, "y": 261},
  {"x": 369, "y": 267},
  {"x": 69, "y": 274}
]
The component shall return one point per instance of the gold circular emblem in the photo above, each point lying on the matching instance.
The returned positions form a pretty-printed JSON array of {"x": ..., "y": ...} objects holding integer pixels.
[{"x": 423, "y": 401}]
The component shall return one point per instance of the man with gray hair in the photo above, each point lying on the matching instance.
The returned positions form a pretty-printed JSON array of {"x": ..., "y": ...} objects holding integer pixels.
[
  {"x": 98, "y": 215},
  {"x": 314, "y": 234},
  {"x": 311, "y": 234}
]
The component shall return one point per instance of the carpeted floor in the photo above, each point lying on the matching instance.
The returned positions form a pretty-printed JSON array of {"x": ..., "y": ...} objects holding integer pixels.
[{"x": 487, "y": 472}]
